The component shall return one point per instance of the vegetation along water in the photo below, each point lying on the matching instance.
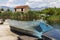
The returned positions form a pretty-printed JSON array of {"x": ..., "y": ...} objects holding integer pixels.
[{"x": 52, "y": 15}]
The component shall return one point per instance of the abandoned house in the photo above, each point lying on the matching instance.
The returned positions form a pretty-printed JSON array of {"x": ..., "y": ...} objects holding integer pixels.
[{"x": 23, "y": 9}]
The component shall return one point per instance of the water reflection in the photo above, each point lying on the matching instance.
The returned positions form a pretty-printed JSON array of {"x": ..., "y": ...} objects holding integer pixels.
[{"x": 54, "y": 24}]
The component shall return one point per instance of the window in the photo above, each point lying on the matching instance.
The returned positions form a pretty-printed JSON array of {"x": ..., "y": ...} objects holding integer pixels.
[{"x": 21, "y": 9}]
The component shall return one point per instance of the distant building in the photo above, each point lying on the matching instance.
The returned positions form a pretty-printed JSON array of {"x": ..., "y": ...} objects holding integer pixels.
[{"x": 23, "y": 9}]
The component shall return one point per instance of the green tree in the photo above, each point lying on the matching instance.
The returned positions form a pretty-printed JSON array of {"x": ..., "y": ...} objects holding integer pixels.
[
  {"x": 8, "y": 10},
  {"x": 2, "y": 9}
]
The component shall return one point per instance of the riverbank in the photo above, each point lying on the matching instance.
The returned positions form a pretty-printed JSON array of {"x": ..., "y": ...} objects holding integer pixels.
[
  {"x": 54, "y": 19},
  {"x": 6, "y": 34}
]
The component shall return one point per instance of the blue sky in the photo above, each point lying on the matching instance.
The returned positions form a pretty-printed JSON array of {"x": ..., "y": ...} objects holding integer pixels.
[{"x": 31, "y": 3}]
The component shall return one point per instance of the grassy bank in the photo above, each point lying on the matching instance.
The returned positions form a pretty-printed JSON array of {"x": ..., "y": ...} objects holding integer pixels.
[
  {"x": 31, "y": 15},
  {"x": 54, "y": 15},
  {"x": 54, "y": 20}
]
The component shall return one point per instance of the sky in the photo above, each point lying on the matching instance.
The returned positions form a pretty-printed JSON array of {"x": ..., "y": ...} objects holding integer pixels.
[{"x": 31, "y": 3}]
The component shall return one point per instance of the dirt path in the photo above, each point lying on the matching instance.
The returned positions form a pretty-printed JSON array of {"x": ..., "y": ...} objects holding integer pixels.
[{"x": 6, "y": 34}]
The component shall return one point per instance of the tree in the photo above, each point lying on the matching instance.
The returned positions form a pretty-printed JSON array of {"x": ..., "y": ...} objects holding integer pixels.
[
  {"x": 2, "y": 9},
  {"x": 8, "y": 10}
]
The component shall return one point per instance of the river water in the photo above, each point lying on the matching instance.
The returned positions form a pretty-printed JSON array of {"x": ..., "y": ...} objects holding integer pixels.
[{"x": 56, "y": 26}]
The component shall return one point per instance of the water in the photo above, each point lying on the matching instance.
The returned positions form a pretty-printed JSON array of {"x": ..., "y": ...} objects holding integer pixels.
[
  {"x": 57, "y": 26},
  {"x": 54, "y": 24}
]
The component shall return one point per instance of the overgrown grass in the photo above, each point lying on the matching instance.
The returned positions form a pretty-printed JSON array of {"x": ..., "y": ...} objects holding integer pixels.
[{"x": 31, "y": 15}]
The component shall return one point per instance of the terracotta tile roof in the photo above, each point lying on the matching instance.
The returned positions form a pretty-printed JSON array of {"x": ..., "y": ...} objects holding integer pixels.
[{"x": 25, "y": 6}]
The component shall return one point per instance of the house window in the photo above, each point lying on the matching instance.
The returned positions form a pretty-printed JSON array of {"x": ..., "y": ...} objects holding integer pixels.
[
  {"x": 15, "y": 9},
  {"x": 21, "y": 9}
]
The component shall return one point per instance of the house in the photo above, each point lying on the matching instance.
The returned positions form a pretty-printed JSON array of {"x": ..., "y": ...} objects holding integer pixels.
[{"x": 23, "y": 9}]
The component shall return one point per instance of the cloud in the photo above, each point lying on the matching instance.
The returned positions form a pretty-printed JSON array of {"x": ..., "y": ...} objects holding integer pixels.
[
  {"x": 35, "y": 0},
  {"x": 43, "y": 3},
  {"x": 10, "y": 0},
  {"x": 36, "y": 3},
  {"x": 13, "y": 3},
  {"x": 3, "y": 0},
  {"x": 55, "y": 4},
  {"x": 31, "y": 3}
]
